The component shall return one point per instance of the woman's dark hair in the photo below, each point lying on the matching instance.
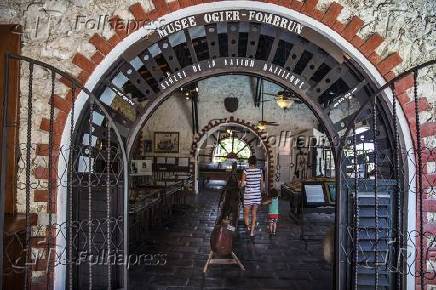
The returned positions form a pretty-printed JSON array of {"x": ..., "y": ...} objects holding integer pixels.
[
  {"x": 252, "y": 160},
  {"x": 234, "y": 166},
  {"x": 274, "y": 192}
]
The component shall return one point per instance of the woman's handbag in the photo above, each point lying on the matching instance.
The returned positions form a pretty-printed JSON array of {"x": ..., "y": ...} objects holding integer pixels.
[{"x": 221, "y": 239}]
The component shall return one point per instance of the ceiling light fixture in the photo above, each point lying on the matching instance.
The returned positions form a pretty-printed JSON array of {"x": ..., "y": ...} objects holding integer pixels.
[
  {"x": 284, "y": 101},
  {"x": 261, "y": 125}
]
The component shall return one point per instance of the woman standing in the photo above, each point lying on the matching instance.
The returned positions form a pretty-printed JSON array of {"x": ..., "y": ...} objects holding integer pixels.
[{"x": 252, "y": 179}]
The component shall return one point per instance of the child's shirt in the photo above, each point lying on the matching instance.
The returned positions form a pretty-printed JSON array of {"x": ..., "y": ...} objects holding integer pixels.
[{"x": 274, "y": 206}]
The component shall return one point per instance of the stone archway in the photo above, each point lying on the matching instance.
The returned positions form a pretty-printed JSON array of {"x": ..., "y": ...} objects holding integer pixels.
[{"x": 92, "y": 68}]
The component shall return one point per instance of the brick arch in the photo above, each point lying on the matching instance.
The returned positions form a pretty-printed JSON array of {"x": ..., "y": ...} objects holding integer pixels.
[
  {"x": 244, "y": 124},
  {"x": 349, "y": 30},
  {"x": 242, "y": 138}
]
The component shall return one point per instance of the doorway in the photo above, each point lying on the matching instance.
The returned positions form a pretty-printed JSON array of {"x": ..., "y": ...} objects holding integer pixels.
[
  {"x": 291, "y": 150},
  {"x": 125, "y": 79}
]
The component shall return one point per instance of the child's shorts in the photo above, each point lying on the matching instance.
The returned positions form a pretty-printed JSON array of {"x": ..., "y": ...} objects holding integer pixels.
[{"x": 273, "y": 218}]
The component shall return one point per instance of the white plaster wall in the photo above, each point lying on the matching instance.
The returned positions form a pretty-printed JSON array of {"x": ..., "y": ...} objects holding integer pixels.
[
  {"x": 175, "y": 113},
  {"x": 213, "y": 91}
]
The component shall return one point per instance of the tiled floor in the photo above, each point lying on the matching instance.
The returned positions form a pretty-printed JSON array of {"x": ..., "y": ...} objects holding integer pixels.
[{"x": 281, "y": 262}]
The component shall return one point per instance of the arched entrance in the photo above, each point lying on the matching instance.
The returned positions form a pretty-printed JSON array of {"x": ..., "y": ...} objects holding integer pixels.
[
  {"x": 156, "y": 66},
  {"x": 133, "y": 60}
]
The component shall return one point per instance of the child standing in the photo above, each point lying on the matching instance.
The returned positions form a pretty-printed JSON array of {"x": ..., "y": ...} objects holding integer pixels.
[{"x": 273, "y": 212}]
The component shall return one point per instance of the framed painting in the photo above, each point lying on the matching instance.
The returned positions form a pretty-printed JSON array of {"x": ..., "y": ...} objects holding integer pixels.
[{"x": 166, "y": 142}]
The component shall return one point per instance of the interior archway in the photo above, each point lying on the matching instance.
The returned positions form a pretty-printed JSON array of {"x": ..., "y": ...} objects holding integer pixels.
[{"x": 216, "y": 125}]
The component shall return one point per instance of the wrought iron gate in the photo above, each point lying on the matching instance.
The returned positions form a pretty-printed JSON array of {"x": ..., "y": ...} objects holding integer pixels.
[
  {"x": 379, "y": 172},
  {"x": 74, "y": 179}
]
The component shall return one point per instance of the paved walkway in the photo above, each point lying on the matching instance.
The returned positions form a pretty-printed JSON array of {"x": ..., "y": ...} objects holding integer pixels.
[{"x": 281, "y": 262}]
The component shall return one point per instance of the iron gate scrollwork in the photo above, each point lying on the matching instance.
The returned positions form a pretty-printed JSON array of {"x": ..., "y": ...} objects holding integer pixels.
[
  {"x": 70, "y": 180},
  {"x": 380, "y": 251}
]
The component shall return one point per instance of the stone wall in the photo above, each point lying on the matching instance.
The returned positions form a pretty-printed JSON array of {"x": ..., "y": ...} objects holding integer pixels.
[{"x": 56, "y": 31}]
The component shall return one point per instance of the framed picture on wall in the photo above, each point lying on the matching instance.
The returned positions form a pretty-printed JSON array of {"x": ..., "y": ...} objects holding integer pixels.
[
  {"x": 166, "y": 142},
  {"x": 314, "y": 194}
]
